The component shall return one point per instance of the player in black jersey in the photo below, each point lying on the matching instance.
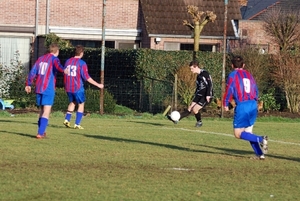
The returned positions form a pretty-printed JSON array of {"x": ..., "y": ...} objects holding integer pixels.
[{"x": 203, "y": 94}]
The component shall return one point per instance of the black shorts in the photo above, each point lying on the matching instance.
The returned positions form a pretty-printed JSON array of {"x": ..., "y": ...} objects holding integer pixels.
[{"x": 201, "y": 100}]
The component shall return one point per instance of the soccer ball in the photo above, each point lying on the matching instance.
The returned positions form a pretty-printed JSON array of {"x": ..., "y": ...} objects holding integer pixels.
[{"x": 175, "y": 116}]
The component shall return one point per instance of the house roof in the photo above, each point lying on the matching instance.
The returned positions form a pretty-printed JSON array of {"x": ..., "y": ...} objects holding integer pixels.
[
  {"x": 165, "y": 17},
  {"x": 256, "y": 9}
]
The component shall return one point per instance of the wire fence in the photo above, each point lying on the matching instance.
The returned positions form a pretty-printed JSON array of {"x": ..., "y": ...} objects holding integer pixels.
[{"x": 132, "y": 93}]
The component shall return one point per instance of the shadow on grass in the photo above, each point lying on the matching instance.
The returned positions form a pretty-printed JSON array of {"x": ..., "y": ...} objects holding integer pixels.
[
  {"x": 148, "y": 123},
  {"x": 14, "y": 121},
  {"x": 151, "y": 143},
  {"x": 234, "y": 151},
  {"x": 21, "y": 134},
  {"x": 24, "y": 122},
  {"x": 249, "y": 152}
]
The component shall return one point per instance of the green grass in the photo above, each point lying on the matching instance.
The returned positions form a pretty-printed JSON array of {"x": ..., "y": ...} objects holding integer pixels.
[{"x": 145, "y": 158}]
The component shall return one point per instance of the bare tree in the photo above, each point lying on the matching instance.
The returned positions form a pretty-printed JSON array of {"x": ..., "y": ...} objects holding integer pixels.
[
  {"x": 243, "y": 2},
  {"x": 200, "y": 19},
  {"x": 186, "y": 84},
  {"x": 283, "y": 26},
  {"x": 257, "y": 64},
  {"x": 286, "y": 74}
]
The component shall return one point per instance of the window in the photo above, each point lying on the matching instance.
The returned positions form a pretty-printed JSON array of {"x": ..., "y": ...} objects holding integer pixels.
[
  {"x": 171, "y": 46},
  {"x": 127, "y": 45},
  {"x": 202, "y": 47},
  {"x": 92, "y": 43},
  {"x": 10, "y": 45}
]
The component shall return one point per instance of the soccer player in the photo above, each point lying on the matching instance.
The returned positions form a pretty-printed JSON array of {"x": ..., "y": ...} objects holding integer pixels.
[
  {"x": 44, "y": 70},
  {"x": 77, "y": 73},
  {"x": 242, "y": 87},
  {"x": 203, "y": 94}
]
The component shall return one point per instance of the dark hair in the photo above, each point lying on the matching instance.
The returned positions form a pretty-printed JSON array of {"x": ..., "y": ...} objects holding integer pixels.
[
  {"x": 237, "y": 62},
  {"x": 194, "y": 63},
  {"x": 78, "y": 50}
]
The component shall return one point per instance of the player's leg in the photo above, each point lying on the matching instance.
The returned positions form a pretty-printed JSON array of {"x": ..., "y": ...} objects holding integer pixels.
[
  {"x": 255, "y": 145},
  {"x": 71, "y": 108},
  {"x": 196, "y": 110},
  {"x": 39, "y": 104},
  {"x": 80, "y": 99},
  {"x": 200, "y": 102},
  {"x": 244, "y": 116},
  {"x": 46, "y": 102}
]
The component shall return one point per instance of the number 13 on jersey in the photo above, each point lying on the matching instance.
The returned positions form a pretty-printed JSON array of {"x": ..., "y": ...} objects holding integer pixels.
[{"x": 71, "y": 69}]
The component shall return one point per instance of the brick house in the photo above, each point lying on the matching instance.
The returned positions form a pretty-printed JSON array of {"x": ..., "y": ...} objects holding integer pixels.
[
  {"x": 251, "y": 26},
  {"x": 154, "y": 24},
  {"x": 128, "y": 24}
]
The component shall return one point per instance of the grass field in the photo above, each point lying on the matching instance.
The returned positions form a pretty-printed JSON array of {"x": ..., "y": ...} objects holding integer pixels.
[{"x": 146, "y": 158}]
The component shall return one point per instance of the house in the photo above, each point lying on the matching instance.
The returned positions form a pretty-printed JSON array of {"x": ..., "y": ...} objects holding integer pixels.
[
  {"x": 257, "y": 9},
  {"x": 163, "y": 20},
  {"x": 152, "y": 24},
  {"x": 251, "y": 26}
]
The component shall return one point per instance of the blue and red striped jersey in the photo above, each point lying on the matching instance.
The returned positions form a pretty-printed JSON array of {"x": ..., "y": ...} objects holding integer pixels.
[
  {"x": 240, "y": 86},
  {"x": 44, "y": 70},
  {"x": 77, "y": 73}
]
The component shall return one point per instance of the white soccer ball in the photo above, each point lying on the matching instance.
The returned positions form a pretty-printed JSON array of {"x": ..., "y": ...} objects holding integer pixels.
[{"x": 175, "y": 116}]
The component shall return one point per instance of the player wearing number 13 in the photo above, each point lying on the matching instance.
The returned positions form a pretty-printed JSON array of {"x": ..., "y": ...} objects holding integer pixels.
[
  {"x": 77, "y": 73},
  {"x": 44, "y": 70},
  {"x": 242, "y": 87}
]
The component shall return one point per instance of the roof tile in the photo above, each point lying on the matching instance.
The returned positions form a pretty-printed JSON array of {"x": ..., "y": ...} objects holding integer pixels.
[{"x": 166, "y": 16}]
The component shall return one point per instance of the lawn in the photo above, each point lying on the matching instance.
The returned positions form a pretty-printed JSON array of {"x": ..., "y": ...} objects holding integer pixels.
[{"x": 145, "y": 158}]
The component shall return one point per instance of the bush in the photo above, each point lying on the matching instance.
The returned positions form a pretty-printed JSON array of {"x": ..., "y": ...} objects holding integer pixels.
[
  {"x": 92, "y": 103},
  {"x": 269, "y": 101},
  {"x": 12, "y": 78}
]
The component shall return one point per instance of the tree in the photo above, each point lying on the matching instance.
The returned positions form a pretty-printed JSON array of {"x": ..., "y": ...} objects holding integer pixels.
[
  {"x": 186, "y": 84},
  {"x": 243, "y": 2},
  {"x": 257, "y": 64},
  {"x": 286, "y": 74},
  {"x": 283, "y": 26},
  {"x": 200, "y": 19},
  {"x": 53, "y": 38}
]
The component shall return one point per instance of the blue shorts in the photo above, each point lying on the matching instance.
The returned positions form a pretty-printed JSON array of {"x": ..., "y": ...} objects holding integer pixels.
[
  {"x": 245, "y": 114},
  {"x": 78, "y": 97},
  {"x": 44, "y": 99}
]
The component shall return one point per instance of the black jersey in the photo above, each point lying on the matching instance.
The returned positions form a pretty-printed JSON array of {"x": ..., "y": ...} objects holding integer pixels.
[{"x": 204, "y": 85}]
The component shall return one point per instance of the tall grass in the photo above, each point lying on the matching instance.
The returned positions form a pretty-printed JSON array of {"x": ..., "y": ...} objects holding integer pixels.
[{"x": 145, "y": 158}]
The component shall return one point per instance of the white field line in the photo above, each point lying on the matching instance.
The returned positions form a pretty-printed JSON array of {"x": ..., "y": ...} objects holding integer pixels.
[
  {"x": 181, "y": 169},
  {"x": 228, "y": 135}
]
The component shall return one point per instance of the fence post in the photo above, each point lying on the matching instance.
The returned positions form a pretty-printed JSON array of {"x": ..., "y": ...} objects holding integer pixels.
[
  {"x": 141, "y": 95},
  {"x": 151, "y": 95},
  {"x": 175, "y": 91}
]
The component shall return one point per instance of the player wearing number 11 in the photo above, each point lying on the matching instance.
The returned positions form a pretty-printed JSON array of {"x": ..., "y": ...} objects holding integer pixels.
[
  {"x": 242, "y": 87},
  {"x": 77, "y": 73}
]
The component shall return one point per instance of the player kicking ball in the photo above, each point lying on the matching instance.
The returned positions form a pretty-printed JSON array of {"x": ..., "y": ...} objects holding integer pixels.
[{"x": 203, "y": 94}]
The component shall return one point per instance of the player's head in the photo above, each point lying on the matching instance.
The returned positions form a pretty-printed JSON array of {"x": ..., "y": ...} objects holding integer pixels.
[
  {"x": 79, "y": 49},
  {"x": 194, "y": 63},
  {"x": 54, "y": 49},
  {"x": 194, "y": 66},
  {"x": 237, "y": 62}
]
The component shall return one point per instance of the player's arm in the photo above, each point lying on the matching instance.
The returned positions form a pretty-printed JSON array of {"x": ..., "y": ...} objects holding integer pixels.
[
  {"x": 228, "y": 94},
  {"x": 87, "y": 77},
  {"x": 93, "y": 82},
  {"x": 32, "y": 74},
  {"x": 256, "y": 92},
  {"x": 58, "y": 66},
  {"x": 209, "y": 91}
]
